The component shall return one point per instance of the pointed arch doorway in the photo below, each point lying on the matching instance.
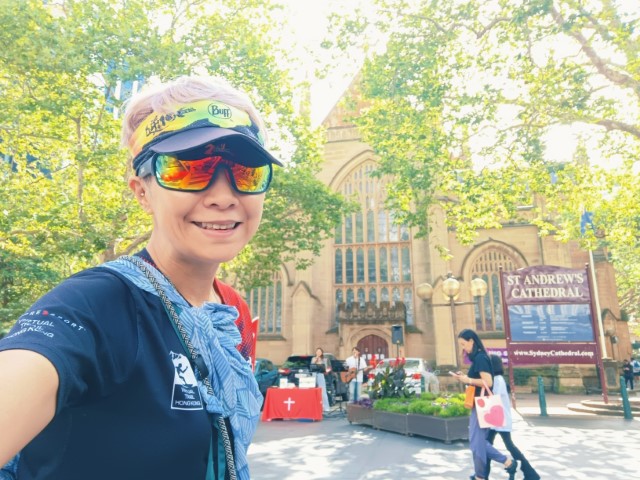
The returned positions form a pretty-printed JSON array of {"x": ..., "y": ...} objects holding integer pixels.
[{"x": 373, "y": 345}]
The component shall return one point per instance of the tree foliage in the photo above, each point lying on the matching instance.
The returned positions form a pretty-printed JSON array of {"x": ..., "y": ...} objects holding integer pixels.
[
  {"x": 65, "y": 201},
  {"x": 469, "y": 103}
]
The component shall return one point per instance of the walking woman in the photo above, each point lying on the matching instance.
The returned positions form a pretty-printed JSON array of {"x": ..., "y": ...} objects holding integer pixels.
[
  {"x": 320, "y": 359},
  {"x": 479, "y": 372},
  {"x": 500, "y": 388},
  {"x": 135, "y": 368}
]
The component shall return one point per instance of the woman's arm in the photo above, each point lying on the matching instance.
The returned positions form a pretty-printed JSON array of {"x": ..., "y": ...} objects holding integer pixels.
[
  {"x": 486, "y": 376},
  {"x": 488, "y": 379},
  {"x": 28, "y": 389}
]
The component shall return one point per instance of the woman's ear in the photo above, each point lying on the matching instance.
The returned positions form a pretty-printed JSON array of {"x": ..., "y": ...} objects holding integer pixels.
[{"x": 140, "y": 190}]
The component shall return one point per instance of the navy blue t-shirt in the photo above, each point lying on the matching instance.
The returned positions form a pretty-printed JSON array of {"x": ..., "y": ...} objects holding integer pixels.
[
  {"x": 128, "y": 406},
  {"x": 481, "y": 363}
]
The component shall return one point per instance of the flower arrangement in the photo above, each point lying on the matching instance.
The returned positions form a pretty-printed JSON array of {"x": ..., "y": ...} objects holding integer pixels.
[
  {"x": 390, "y": 383},
  {"x": 390, "y": 393},
  {"x": 365, "y": 402}
]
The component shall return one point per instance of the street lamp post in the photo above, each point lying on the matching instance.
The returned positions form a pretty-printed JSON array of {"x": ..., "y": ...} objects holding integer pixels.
[{"x": 451, "y": 290}]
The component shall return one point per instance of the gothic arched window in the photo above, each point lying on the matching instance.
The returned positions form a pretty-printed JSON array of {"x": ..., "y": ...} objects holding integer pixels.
[
  {"x": 372, "y": 253},
  {"x": 266, "y": 303},
  {"x": 488, "y": 309}
]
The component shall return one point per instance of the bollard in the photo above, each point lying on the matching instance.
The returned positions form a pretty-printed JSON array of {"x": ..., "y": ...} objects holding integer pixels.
[
  {"x": 422, "y": 390},
  {"x": 626, "y": 406},
  {"x": 541, "y": 398}
]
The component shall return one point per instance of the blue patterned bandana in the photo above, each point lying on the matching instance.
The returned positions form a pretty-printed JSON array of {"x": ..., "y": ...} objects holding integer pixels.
[{"x": 213, "y": 332}]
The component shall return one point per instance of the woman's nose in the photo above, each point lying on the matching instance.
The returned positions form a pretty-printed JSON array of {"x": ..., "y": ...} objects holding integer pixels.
[{"x": 220, "y": 192}]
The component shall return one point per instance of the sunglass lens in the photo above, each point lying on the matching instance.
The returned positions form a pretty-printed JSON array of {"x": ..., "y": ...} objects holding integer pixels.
[
  {"x": 195, "y": 175},
  {"x": 177, "y": 174},
  {"x": 251, "y": 179}
]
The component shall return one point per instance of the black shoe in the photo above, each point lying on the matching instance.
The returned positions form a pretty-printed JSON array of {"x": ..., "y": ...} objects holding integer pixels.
[{"x": 511, "y": 470}]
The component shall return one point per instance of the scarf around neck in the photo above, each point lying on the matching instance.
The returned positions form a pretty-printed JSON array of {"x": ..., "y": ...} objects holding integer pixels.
[{"x": 214, "y": 334}]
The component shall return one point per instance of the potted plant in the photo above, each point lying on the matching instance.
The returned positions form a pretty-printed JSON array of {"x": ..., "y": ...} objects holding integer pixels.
[
  {"x": 361, "y": 411},
  {"x": 393, "y": 408},
  {"x": 390, "y": 383},
  {"x": 391, "y": 414},
  {"x": 443, "y": 417}
]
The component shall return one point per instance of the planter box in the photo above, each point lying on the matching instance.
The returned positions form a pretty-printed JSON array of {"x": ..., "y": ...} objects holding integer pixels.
[
  {"x": 392, "y": 422},
  {"x": 445, "y": 429},
  {"x": 358, "y": 414}
]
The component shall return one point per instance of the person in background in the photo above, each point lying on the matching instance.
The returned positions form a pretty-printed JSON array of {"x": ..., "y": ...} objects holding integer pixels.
[
  {"x": 357, "y": 366},
  {"x": 480, "y": 373},
  {"x": 627, "y": 373},
  {"x": 500, "y": 388},
  {"x": 320, "y": 359},
  {"x": 145, "y": 357},
  {"x": 635, "y": 365},
  {"x": 431, "y": 382}
]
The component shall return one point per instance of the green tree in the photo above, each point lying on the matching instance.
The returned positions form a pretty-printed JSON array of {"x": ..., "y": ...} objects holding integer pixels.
[
  {"x": 65, "y": 201},
  {"x": 463, "y": 102}
]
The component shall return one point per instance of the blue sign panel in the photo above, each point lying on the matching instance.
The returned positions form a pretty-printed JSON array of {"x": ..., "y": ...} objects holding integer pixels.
[{"x": 551, "y": 323}]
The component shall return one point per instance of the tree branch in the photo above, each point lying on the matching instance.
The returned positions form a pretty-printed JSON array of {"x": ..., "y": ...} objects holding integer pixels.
[{"x": 599, "y": 63}]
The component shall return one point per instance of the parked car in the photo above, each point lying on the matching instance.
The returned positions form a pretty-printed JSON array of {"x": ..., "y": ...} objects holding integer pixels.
[
  {"x": 416, "y": 369},
  {"x": 297, "y": 366},
  {"x": 266, "y": 374}
]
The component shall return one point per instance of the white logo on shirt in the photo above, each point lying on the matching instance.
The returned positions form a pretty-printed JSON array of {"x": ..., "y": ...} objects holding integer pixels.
[{"x": 186, "y": 395}]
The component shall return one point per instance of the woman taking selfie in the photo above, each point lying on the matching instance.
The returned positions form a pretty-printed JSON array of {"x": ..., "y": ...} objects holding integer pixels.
[{"x": 133, "y": 369}]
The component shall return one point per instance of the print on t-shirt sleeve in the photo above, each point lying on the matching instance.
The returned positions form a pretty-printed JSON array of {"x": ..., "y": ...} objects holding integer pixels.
[{"x": 43, "y": 322}]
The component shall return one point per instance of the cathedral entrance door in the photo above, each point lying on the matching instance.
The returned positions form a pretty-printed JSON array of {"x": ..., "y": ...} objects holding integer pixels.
[{"x": 373, "y": 348}]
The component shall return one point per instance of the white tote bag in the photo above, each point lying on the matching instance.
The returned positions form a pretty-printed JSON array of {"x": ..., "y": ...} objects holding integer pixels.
[{"x": 490, "y": 409}]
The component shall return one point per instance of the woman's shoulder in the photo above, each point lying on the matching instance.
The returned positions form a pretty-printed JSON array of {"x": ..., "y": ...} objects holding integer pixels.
[
  {"x": 95, "y": 283},
  {"x": 482, "y": 361}
]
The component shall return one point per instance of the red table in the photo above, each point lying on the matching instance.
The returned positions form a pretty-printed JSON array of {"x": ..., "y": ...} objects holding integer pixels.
[{"x": 294, "y": 403}]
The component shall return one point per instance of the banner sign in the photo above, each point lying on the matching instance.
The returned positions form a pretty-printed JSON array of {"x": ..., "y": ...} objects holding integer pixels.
[
  {"x": 551, "y": 323},
  {"x": 501, "y": 352},
  {"x": 543, "y": 353},
  {"x": 545, "y": 285},
  {"x": 548, "y": 315}
]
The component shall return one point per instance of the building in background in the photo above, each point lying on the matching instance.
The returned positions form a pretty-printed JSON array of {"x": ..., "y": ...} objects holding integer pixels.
[{"x": 366, "y": 278}]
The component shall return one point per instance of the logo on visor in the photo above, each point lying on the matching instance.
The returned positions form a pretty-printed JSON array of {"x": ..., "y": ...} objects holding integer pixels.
[
  {"x": 216, "y": 111},
  {"x": 161, "y": 121}
]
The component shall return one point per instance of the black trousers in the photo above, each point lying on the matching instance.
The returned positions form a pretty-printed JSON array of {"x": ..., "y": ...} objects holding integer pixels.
[{"x": 525, "y": 466}]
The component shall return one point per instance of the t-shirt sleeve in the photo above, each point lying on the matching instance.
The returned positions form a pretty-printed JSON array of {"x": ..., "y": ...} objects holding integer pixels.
[
  {"x": 87, "y": 328},
  {"x": 247, "y": 327},
  {"x": 482, "y": 364}
]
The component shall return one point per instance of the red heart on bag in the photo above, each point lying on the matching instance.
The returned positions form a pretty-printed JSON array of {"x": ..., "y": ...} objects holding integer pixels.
[
  {"x": 480, "y": 402},
  {"x": 495, "y": 416}
]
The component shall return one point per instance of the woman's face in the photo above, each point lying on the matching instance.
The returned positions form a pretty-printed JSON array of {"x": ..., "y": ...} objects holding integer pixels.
[
  {"x": 318, "y": 352},
  {"x": 210, "y": 226},
  {"x": 466, "y": 345}
]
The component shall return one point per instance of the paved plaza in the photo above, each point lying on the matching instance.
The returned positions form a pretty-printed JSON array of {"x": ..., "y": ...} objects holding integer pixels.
[{"x": 562, "y": 445}]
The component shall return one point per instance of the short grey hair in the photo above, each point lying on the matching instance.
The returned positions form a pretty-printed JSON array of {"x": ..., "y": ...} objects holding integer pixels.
[{"x": 186, "y": 89}]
